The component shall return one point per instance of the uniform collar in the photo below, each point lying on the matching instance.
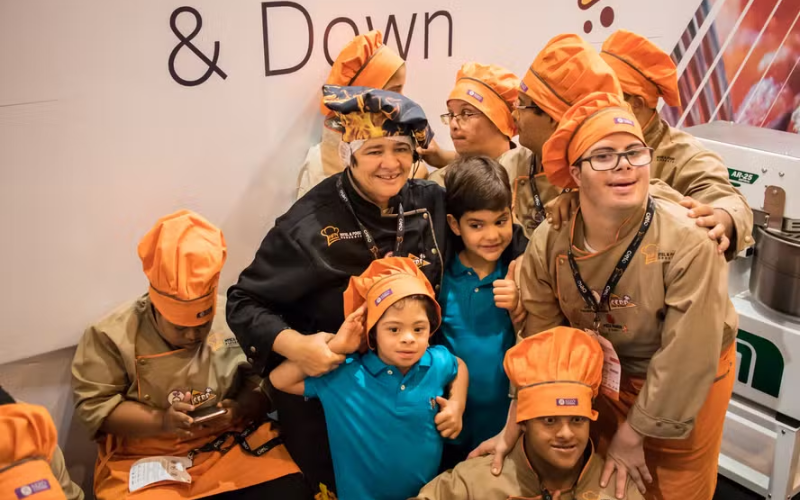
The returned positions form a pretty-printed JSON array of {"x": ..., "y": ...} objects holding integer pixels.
[
  {"x": 654, "y": 131},
  {"x": 375, "y": 364},
  {"x": 530, "y": 482},
  {"x": 577, "y": 233},
  {"x": 363, "y": 206}
]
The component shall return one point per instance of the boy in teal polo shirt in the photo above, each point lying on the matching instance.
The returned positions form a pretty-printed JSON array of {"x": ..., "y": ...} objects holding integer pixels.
[
  {"x": 385, "y": 410},
  {"x": 478, "y": 294}
]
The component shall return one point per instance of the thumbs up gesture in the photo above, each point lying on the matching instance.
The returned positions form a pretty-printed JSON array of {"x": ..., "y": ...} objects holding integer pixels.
[
  {"x": 506, "y": 293},
  {"x": 448, "y": 420}
]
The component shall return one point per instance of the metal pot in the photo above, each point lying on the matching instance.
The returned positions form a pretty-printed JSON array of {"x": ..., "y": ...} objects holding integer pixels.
[{"x": 775, "y": 277}]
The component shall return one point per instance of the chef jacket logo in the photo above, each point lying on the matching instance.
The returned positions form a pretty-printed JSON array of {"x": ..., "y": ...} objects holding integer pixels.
[
  {"x": 383, "y": 296},
  {"x": 195, "y": 398},
  {"x": 567, "y": 402},
  {"x": 332, "y": 235},
  {"x": 419, "y": 261},
  {"x": 623, "y": 121},
  {"x": 652, "y": 255},
  {"x": 614, "y": 302},
  {"x": 476, "y": 95}
]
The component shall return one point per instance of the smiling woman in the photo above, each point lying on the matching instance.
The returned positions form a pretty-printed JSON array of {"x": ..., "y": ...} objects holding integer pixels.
[{"x": 291, "y": 294}]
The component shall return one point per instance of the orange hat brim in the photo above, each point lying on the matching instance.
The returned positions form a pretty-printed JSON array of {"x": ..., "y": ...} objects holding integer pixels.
[
  {"x": 555, "y": 399},
  {"x": 488, "y": 102},
  {"x": 187, "y": 313}
]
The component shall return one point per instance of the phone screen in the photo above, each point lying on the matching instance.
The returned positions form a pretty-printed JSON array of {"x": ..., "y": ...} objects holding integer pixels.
[{"x": 206, "y": 414}]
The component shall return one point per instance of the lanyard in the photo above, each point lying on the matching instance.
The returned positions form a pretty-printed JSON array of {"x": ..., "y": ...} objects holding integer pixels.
[
  {"x": 538, "y": 206},
  {"x": 239, "y": 438},
  {"x": 620, "y": 268},
  {"x": 372, "y": 246}
]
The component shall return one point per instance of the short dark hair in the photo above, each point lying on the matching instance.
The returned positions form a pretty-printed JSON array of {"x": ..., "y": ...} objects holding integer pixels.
[
  {"x": 430, "y": 312},
  {"x": 476, "y": 183}
]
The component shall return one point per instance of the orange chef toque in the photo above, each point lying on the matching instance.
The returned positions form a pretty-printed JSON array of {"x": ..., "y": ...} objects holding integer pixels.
[
  {"x": 26, "y": 448},
  {"x": 557, "y": 373},
  {"x": 182, "y": 256},
  {"x": 594, "y": 117},
  {"x": 567, "y": 69},
  {"x": 364, "y": 62},
  {"x": 492, "y": 89},
  {"x": 642, "y": 68},
  {"x": 385, "y": 282}
]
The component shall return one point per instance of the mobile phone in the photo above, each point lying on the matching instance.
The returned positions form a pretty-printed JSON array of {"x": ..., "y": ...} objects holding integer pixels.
[{"x": 205, "y": 414}]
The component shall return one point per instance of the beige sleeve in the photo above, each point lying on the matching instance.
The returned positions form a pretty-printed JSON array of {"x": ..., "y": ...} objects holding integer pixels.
[
  {"x": 450, "y": 485},
  {"x": 538, "y": 288},
  {"x": 99, "y": 379},
  {"x": 682, "y": 370},
  {"x": 71, "y": 490},
  {"x": 705, "y": 178}
]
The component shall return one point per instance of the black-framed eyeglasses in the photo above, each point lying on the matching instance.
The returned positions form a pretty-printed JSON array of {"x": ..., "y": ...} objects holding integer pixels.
[
  {"x": 460, "y": 117},
  {"x": 605, "y": 161}
]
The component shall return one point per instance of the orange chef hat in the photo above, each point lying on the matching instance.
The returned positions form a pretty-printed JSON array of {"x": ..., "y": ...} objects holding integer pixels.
[
  {"x": 592, "y": 118},
  {"x": 364, "y": 62},
  {"x": 642, "y": 68},
  {"x": 567, "y": 69},
  {"x": 29, "y": 440},
  {"x": 557, "y": 373},
  {"x": 492, "y": 89},
  {"x": 385, "y": 282},
  {"x": 182, "y": 256}
]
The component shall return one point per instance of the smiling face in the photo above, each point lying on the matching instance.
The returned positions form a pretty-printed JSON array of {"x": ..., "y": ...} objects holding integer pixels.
[
  {"x": 474, "y": 135},
  {"x": 556, "y": 442},
  {"x": 402, "y": 333},
  {"x": 485, "y": 233},
  {"x": 620, "y": 189},
  {"x": 381, "y": 168}
]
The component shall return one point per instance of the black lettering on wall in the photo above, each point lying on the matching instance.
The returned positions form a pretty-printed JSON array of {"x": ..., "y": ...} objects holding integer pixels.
[
  {"x": 338, "y": 20},
  {"x": 268, "y": 71},
  {"x": 429, "y": 19},
  {"x": 391, "y": 24}
]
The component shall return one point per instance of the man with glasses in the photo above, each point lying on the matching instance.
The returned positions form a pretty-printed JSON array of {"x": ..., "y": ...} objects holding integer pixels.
[{"x": 646, "y": 73}]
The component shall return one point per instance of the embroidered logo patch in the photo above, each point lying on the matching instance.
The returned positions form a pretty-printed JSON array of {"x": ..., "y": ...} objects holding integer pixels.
[
  {"x": 623, "y": 121},
  {"x": 653, "y": 255},
  {"x": 332, "y": 235},
  {"x": 523, "y": 86},
  {"x": 383, "y": 296},
  {"x": 32, "y": 488},
  {"x": 203, "y": 314},
  {"x": 567, "y": 402},
  {"x": 419, "y": 261},
  {"x": 476, "y": 95}
]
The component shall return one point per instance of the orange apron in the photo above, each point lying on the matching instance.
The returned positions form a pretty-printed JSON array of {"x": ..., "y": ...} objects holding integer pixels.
[
  {"x": 682, "y": 469},
  {"x": 212, "y": 472}
]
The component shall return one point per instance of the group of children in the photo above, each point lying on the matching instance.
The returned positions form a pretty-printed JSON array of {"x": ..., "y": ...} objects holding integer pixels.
[{"x": 425, "y": 383}]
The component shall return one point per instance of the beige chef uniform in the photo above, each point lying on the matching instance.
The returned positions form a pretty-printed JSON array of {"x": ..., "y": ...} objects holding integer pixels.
[
  {"x": 670, "y": 319},
  {"x": 679, "y": 159},
  {"x": 124, "y": 358},
  {"x": 561, "y": 364}
]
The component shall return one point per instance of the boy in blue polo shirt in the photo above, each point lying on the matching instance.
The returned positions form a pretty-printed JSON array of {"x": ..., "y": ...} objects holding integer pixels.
[
  {"x": 478, "y": 294},
  {"x": 385, "y": 410}
]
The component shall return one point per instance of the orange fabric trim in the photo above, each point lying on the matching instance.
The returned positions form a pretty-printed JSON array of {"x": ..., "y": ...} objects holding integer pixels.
[
  {"x": 543, "y": 401},
  {"x": 488, "y": 102}
]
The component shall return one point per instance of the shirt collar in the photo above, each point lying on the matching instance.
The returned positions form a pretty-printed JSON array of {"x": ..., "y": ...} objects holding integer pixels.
[
  {"x": 654, "y": 132},
  {"x": 457, "y": 268}
]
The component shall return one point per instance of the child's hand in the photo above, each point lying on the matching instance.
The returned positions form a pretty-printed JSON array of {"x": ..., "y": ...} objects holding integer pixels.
[
  {"x": 448, "y": 420},
  {"x": 506, "y": 293},
  {"x": 348, "y": 339},
  {"x": 176, "y": 421}
]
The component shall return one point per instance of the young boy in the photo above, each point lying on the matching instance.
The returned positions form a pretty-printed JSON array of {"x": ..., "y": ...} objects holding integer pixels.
[
  {"x": 558, "y": 374},
  {"x": 381, "y": 407},
  {"x": 478, "y": 293}
]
